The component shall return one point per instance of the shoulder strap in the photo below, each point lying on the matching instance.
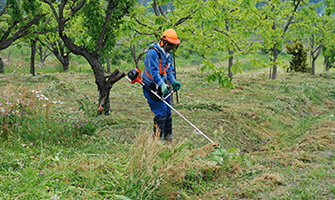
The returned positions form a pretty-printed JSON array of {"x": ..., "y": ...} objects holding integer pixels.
[
  {"x": 159, "y": 54},
  {"x": 162, "y": 72}
]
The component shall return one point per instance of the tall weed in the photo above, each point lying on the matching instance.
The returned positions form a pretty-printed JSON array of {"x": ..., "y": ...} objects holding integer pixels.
[
  {"x": 25, "y": 114},
  {"x": 157, "y": 170}
]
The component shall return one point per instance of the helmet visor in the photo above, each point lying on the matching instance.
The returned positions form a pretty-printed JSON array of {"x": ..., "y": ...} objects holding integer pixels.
[{"x": 175, "y": 41}]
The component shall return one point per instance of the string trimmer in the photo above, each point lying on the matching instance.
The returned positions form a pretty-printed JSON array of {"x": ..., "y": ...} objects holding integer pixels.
[{"x": 134, "y": 77}]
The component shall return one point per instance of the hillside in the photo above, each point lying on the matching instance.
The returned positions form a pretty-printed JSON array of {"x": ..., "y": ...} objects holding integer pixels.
[{"x": 277, "y": 140}]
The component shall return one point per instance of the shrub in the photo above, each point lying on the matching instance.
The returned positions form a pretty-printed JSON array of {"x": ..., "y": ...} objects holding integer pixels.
[
  {"x": 329, "y": 56},
  {"x": 298, "y": 63}
]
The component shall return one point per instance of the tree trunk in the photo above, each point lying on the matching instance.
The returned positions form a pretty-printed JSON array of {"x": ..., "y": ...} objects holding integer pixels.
[
  {"x": 326, "y": 67},
  {"x": 275, "y": 56},
  {"x": 326, "y": 63},
  {"x": 313, "y": 66},
  {"x": 105, "y": 84},
  {"x": 40, "y": 53},
  {"x": 315, "y": 56},
  {"x": 8, "y": 55},
  {"x": 2, "y": 66},
  {"x": 65, "y": 59},
  {"x": 108, "y": 64},
  {"x": 32, "y": 56},
  {"x": 230, "y": 64}
]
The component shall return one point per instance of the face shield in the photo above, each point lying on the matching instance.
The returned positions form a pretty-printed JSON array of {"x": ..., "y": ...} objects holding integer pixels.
[
  {"x": 174, "y": 49},
  {"x": 169, "y": 47}
]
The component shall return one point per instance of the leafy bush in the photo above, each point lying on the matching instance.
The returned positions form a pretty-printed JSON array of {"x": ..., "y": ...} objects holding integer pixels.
[
  {"x": 218, "y": 74},
  {"x": 299, "y": 61},
  {"x": 329, "y": 56}
]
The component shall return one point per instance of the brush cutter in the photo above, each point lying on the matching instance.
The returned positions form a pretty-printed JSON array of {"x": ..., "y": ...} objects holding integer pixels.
[{"x": 134, "y": 76}]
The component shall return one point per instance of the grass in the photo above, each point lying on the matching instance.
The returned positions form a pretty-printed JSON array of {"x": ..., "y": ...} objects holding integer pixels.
[{"x": 277, "y": 139}]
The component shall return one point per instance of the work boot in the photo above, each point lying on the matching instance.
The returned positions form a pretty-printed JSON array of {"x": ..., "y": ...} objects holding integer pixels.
[
  {"x": 159, "y": 127},
  {"x": 168, "y": 128}
]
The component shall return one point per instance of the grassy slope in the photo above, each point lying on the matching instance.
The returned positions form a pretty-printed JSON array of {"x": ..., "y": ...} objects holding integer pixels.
[{"x": 284, "y": 126}]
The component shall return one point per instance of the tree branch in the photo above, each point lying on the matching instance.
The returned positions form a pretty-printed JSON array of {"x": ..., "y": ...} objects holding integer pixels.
[
  {"x": 4, "y": 9},
  {"x": 78, "y": 7},
  {"x": 161, "y": 11},
  {"x": 140, "y": 23},
  {"x": 291, "y": 17},
  {"x": 142, "y": 33},
  {"x": 53, "y": 9},
  {"x": 5, "y": 42},
  {"x": 117, "y": 18},
  {"x": 154, "y": 6},
  {"x": 182, "y": 20},
  {"x": 215, "y": 29},
  {"x": 104, "y": 27},
  {"x": 115, "y": 77}
]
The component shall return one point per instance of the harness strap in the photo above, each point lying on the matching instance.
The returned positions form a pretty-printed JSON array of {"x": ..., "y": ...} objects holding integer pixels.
[{"x": 161, "y": 72}]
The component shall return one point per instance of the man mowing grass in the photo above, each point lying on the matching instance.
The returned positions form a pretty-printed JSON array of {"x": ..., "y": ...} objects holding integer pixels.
[{"x": 158, "y": 69}]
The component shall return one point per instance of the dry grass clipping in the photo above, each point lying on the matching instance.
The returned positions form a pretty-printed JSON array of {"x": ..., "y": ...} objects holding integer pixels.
[
  {"x": 148, "y": 160},
  {"x": 268, "y": 179},
  {"x": 322, "y": 139}
]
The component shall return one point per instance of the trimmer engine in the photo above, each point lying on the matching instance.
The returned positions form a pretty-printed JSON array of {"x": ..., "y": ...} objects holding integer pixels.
[{"x": 134, "y": 76}]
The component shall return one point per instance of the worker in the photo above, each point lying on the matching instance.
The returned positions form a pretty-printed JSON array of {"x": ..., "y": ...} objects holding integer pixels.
[{"x": 158, "y": 69}]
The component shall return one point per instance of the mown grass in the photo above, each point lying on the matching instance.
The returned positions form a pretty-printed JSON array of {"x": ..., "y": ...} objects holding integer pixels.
[{"x": 277, "y": 139}]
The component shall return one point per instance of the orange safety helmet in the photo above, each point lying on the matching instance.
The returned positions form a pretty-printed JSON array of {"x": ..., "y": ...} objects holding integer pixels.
[{"x": 170, "y": 36}]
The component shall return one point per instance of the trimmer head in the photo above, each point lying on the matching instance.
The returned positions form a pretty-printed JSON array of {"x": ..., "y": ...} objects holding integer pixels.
[
  {"x": 216, "y": 145},
  {"x": 134, "y": 76}
]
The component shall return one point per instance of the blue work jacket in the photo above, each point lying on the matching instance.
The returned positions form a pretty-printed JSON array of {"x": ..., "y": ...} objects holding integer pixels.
[{"x": 151, "y": 63}]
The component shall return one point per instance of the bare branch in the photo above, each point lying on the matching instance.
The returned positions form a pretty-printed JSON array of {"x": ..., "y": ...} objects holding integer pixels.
[{"x": 115, "y": 77}]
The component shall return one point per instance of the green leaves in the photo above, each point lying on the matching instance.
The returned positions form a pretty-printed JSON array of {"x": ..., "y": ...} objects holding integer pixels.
[
  {"x": 237, "y": 68},
  {"x": 224, "y": 157},
  {"x": 218, "y": 74},
  {"x": 14, "y": 11}
]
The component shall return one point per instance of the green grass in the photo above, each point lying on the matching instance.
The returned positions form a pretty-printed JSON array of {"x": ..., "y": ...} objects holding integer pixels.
[{"x": 277, "y": 138}]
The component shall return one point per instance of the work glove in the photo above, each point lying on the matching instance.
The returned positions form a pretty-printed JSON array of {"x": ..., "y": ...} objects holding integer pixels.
[
  {"x": 164, "y": 88},
  {"x": 176, "y": 85}
]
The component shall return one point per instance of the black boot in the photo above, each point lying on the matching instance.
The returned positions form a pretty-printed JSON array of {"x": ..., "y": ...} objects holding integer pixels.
[
  {"x": 159, "y": 127},
  {"x": 168, "y": 128}
]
